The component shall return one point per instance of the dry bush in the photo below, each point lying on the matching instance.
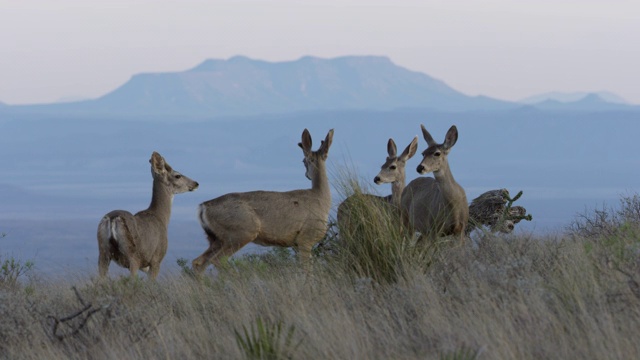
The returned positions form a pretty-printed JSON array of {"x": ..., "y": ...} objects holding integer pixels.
[{"x": 609, "y": 221}]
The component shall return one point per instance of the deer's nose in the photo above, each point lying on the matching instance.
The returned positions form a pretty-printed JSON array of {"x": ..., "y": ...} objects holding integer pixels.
[
  {"x": 420, "y": 169},
  {"x": 376, "y": 179}
]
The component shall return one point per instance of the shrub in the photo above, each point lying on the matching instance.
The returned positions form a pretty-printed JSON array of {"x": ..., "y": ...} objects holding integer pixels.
[
  {"x": 624, "y": 220},
  {"x": 611, "y": 234},
  {"x": 12, "y": 270}
]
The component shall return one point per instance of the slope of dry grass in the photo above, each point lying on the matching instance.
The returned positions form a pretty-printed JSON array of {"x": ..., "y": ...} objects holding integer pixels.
[{"x": 498, "y": 297}]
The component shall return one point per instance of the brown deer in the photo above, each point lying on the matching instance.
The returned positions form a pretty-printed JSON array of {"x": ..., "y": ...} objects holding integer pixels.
[
  {"x": 392, "y": 171},
  {"x": 140, "y": 241},
  {"x": 295, "y": 218},
  {"x": 436, "y": 206}
]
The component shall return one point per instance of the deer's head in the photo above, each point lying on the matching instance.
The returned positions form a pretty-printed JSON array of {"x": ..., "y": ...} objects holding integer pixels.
[
  {"x": 435, "y": 156},
  {"x": 313, "y": 160},
  {"x": 393, "y": 168},
  {"x": 163, "y": 172}
]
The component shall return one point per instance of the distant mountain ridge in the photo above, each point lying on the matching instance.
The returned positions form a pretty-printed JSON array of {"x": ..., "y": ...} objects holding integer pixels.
[
  {"x": 590, "y": 102},
  {"x": 566, "y": 97},
  {"x": 242, "y": 86}
]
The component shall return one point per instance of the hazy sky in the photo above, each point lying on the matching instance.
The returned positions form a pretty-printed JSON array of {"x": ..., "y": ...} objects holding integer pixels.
[{"x": 508, "y": 49}]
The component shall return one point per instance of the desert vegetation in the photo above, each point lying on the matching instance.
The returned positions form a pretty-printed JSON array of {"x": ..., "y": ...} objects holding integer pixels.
[{"x": 374, "y": 295}]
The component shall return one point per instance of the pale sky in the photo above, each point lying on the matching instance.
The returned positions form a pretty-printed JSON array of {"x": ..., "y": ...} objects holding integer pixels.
[{"x": 507, "y": 49}]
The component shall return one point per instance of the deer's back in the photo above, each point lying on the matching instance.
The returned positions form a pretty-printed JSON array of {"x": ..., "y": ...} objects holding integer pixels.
[{"x": 276, "y": 218}]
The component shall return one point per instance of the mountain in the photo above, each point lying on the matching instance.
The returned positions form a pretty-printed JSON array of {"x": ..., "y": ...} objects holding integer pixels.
[
  {"x": 243, "y": 86},
  {"x": 565, "y": 97},
  {"x": 591, "y": 102}
]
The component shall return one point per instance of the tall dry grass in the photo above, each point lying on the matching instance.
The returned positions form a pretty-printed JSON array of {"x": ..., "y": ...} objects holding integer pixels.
[{"x": 497, "y": 297}]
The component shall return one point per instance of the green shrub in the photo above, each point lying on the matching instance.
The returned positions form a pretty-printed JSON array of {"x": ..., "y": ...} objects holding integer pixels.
[{"x": 11, "y": 270}]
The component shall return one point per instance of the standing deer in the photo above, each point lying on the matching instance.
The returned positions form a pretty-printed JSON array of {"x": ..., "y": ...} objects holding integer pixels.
[
  {"x": 392, "y": 171},
  {"x": 140, "y": 241},
  {"x": 295, "y": 218},
  {"x": 436, "y": 207}
]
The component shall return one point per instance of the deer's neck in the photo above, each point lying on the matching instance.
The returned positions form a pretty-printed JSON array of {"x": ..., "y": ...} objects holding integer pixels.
[
  {"x": 448, "y": 186},
  {"x": 396, "y": 190},
  {"x": 320, "y": 181},
  {"x": 161, "y": 201}
]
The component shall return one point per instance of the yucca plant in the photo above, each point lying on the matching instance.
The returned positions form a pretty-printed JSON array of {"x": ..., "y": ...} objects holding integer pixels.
[{"x": 266, "y": 340}]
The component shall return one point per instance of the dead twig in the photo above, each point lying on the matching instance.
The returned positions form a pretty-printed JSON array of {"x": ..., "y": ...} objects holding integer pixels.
[{"x": 83, "y": 314}]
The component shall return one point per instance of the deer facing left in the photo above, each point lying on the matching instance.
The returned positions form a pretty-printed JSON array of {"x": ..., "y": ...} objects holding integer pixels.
[{"x": 139, "y": 242}]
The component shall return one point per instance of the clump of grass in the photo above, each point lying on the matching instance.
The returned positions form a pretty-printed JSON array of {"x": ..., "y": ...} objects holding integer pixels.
[{"x": 373, "y": 239}]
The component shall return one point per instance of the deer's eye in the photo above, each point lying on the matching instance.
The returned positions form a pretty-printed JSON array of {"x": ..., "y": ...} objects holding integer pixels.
[
  {"x": 178, "y": 176},
  {"x": 392, "y": 167},
  {"x": 436, "y": 154}
]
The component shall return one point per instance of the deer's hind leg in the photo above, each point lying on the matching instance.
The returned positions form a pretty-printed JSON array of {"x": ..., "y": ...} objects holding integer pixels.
[
  {"x": 219, "y": 248},
  {"x": 104, "y": 235},
  {"x": 200, "y": 263}
]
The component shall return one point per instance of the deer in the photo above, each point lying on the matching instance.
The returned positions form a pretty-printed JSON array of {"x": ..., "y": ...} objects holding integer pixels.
[
  {"x": 139, "y": 242},
  {"x": 392, "y": 171},
  {"x": 297, "y": 218},
  {"x": 436, "y": 206}
]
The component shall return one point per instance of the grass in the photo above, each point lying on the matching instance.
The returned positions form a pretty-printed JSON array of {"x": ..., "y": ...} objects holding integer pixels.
[{"x": 574, "y": 295}]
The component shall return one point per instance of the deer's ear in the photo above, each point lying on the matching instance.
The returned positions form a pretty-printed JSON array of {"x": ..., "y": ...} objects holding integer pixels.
[
  {"x": 410, "y": 150},
  {"x": 306, "y": 143},
  {"x": 451, "y": 137},
  {"x": 427, "y": 137},
  {"x": 326, "y": 143},
  {"x": 157, "y": 163},
  {"x": 392, "y": 150}
]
